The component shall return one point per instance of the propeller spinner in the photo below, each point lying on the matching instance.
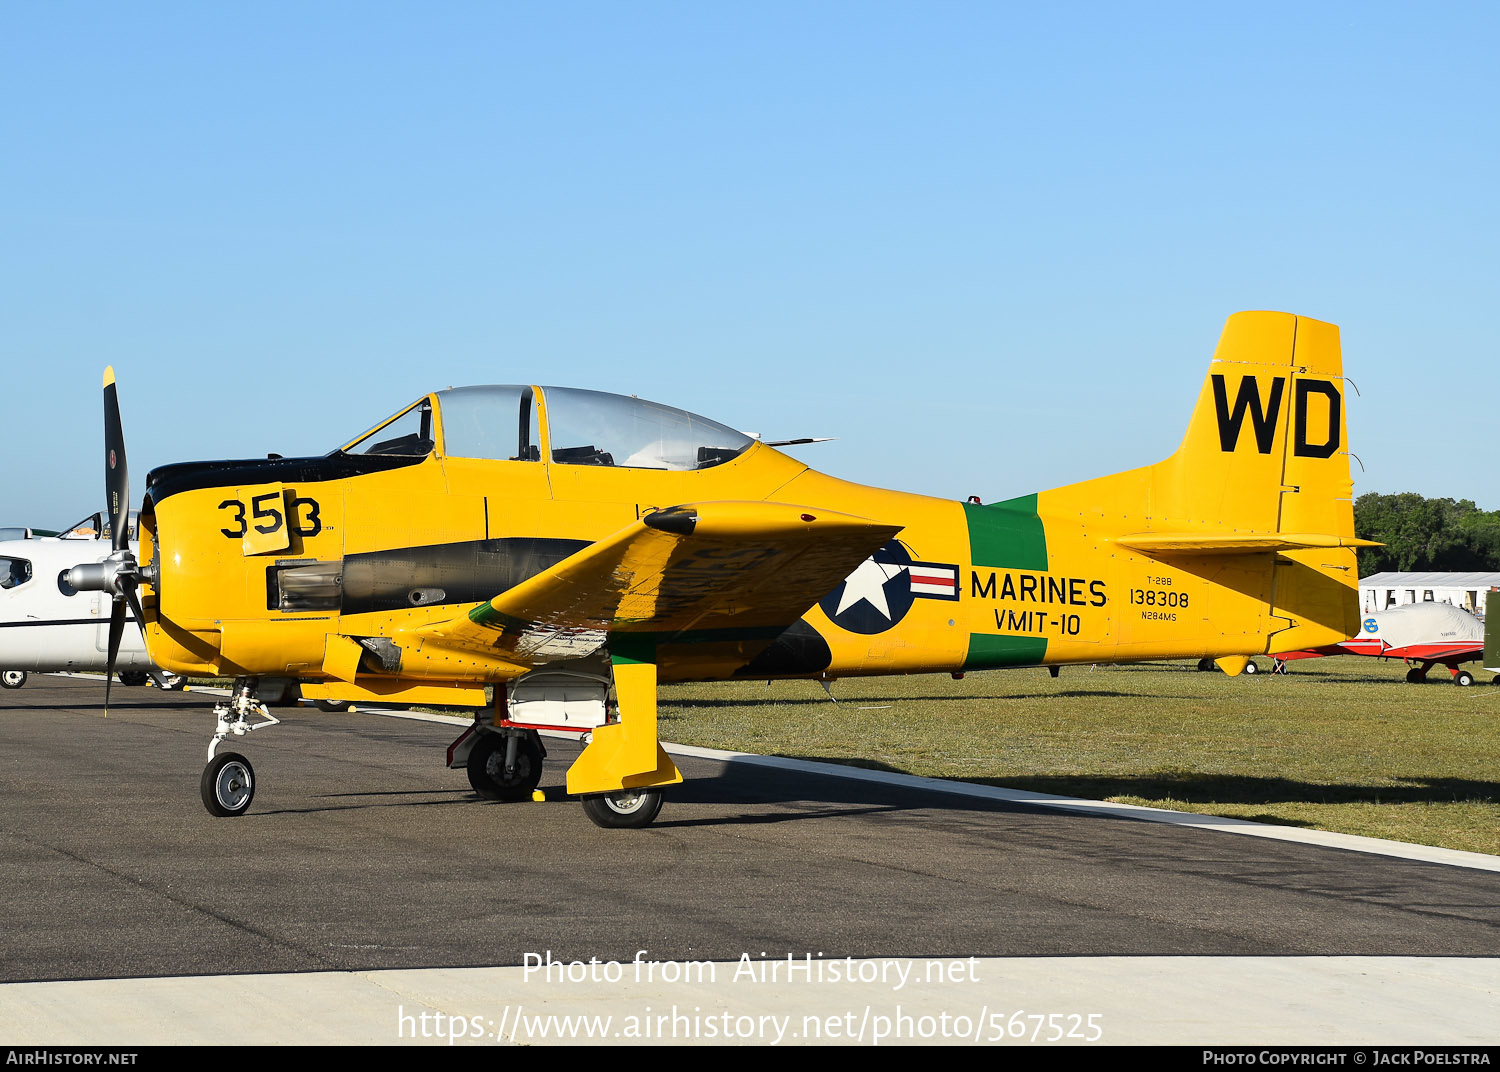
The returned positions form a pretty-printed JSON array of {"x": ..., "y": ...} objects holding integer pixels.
[{"x": 119, "y": 574}]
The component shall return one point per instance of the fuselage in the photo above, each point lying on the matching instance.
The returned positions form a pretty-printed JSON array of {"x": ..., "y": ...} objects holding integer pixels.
[
  {"x": 45, "y": 624},
  {"x": 256, "y": 565}
]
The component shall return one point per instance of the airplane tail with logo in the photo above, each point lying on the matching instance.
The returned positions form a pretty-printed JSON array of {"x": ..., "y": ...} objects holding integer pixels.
[{"x": 1258, "y": 500}]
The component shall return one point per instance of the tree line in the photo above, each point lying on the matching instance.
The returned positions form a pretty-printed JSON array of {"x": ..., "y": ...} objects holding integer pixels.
[{"x": 1424, "y": 534}]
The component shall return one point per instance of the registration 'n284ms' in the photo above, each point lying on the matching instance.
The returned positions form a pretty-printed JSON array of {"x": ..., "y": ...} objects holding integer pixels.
[{"x": 573, "y": 549}]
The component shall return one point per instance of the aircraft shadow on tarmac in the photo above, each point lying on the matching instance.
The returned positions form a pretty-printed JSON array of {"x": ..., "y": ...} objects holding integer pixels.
[
  {"x": 755, "y": 784},
  {"x": 666, "y": 709}
]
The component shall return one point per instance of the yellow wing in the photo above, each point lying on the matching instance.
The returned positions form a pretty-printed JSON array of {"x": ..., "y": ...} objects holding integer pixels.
[{"x": 717, "y": 570}]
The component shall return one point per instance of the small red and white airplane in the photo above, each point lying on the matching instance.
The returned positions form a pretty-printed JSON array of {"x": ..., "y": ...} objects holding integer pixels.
[{"x": 1424, "y": 634}]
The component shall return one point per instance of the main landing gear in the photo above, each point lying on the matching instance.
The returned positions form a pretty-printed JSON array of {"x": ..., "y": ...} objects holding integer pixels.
[
  {"x": 620, "y": 774},
  {"x": 228, "y": 782},
  {"x": 627, "y": 808},
  {"x": 506, "y": 766},
  {"x": 1417, "y": 675}
]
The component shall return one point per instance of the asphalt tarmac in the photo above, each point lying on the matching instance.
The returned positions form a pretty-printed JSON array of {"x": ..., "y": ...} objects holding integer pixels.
[{"x": 362, "y": 852}]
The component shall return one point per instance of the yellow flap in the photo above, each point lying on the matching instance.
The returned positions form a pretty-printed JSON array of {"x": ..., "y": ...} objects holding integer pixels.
[
  {"x": 745, "y": 568},
  {"x": 341, "y": 657}
]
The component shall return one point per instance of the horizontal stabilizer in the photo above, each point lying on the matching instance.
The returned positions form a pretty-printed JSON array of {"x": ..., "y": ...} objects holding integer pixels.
[{"x": 1233, "y": 543}]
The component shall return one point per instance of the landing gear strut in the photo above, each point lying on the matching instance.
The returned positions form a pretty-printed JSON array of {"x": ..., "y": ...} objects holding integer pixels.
[
  {"x": 228, "y": 782},
  {"x": 626, "y": 751}
]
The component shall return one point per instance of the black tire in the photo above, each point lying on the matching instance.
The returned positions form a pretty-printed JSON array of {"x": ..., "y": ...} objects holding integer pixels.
[
  {"x": 1206, "y": 664},
  {"x": 1463, "y": 678},
  {"x": 1251, "y": 668},
  {"x": 1416, "y": 676},
  {"x": 134, "y": 678},
  {"x": 487, "y": 767},
  {"x": 12, "y": 679},
  {"x": 627, "y": 809},
  {"x": 228, "y": 785},
  {"x": 331, "y": 705}
]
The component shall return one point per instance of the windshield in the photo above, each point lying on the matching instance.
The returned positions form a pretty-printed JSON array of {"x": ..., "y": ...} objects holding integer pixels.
[
  {"x": 95, "y": 527},
  {"x": 408, "y": 433}
]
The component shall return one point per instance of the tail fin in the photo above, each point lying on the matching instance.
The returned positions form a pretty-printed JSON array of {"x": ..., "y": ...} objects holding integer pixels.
[
  {"x": 1257, "y": 501},
  {"x": 1266, "y": 450}
]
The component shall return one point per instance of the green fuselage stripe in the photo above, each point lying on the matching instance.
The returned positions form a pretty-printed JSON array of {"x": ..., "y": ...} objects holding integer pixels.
[
  {"x": 1007, "y": 535},
  {"x": 992, "y": 652}
]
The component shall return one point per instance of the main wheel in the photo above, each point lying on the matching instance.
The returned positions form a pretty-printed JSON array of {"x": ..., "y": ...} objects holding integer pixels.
[
  {"x": 228, "y": 785},
  {"x": 133, "y": 677},
  {"x": 331, "y": 705},
  {"x": 1251, "y": 668},
  {"x": 628, "y": 808},
  {"x": 1463, "y": 677},
  {"x": 1416, "y": 675},
  {"x": 1205, "y": 664},
  {"x": 13, "y": 679},
  {"x": 487, "y": 767}
]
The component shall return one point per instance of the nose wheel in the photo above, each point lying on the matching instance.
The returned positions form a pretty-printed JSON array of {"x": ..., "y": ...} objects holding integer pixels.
[{"x": 228, "y": 785}]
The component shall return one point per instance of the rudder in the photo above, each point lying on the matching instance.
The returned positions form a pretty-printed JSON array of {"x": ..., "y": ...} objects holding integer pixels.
[{"x": 1265, "y": 450}]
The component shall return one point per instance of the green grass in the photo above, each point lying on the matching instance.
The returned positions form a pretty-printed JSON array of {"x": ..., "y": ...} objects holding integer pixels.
[{"x": 1340, "y": 744}]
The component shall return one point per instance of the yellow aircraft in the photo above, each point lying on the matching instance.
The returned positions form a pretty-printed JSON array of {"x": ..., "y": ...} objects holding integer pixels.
[{"x": 573, "y": 549}]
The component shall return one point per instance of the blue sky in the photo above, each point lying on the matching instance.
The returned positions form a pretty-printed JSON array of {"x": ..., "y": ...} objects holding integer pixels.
[{"x": 990, "y": 246}]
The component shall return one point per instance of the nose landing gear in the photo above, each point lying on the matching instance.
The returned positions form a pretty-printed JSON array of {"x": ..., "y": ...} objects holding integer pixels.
[{"x": 228, "y": 782}]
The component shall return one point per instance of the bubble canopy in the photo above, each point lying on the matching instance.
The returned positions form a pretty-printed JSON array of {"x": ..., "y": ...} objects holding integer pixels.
[{"x": 503, "y": 423}]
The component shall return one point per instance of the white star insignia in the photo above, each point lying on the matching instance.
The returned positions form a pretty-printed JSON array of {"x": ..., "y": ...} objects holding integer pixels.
[{"x": 868, "y": 583}]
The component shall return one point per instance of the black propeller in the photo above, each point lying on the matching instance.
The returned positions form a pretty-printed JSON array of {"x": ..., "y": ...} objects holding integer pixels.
[{"x": 119, "y": 574}]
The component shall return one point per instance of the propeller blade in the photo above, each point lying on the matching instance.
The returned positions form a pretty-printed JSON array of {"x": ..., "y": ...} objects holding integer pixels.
[
  {"x": 116, "y": 472},
  {"x": 116, "y": 629},
  {"x": 135, "y": 603}
]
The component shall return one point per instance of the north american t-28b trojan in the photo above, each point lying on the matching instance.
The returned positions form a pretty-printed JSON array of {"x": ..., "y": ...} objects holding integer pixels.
[{"x": 573, "y": 549}]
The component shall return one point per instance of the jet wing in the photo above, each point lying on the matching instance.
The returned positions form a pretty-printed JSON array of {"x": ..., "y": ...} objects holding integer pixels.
[{"x": 714, "y": 569}]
